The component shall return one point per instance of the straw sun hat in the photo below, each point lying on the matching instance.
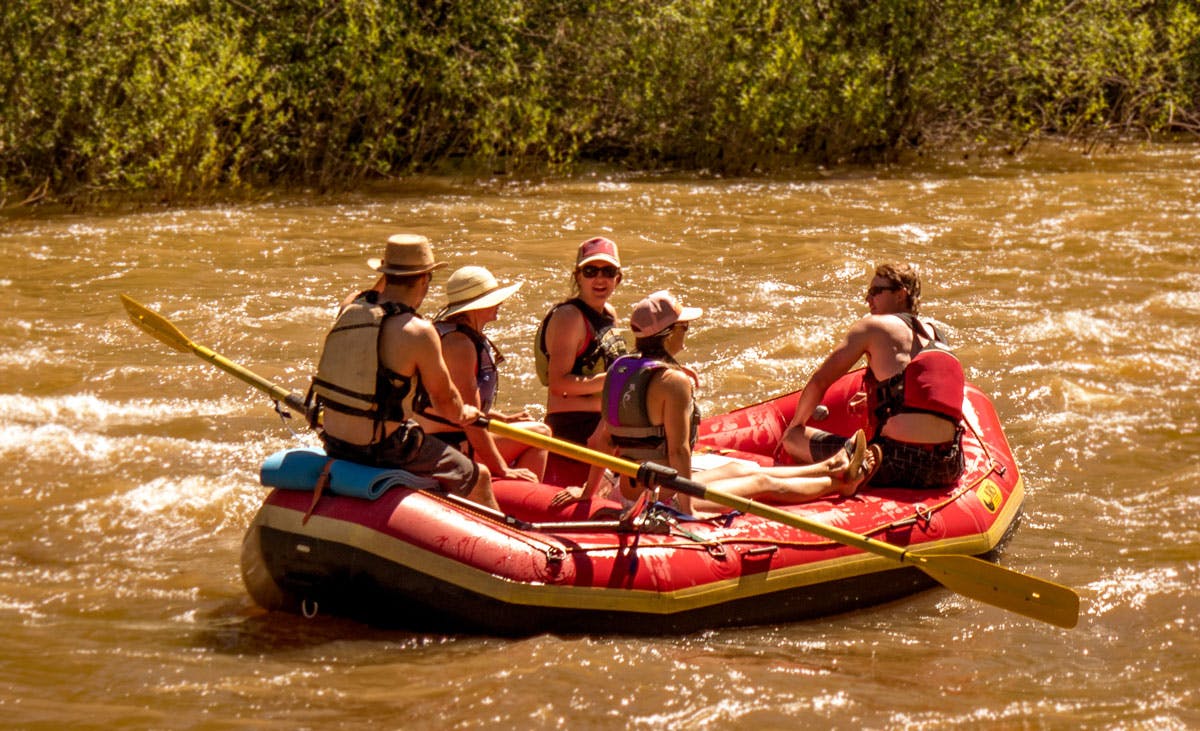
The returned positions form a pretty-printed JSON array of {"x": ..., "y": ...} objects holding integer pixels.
[
  {"x": 406, "y": 254},
  {"x": 473, "y": 288}
]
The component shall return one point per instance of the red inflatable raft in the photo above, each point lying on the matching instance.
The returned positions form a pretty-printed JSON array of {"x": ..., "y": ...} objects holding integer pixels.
[{"x": 424, "y": 561}]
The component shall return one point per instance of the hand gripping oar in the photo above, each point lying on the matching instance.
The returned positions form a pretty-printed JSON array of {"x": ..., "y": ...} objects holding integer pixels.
[
  {"x": 988, "y": 582},
  {"x": 162, "y": 329}
]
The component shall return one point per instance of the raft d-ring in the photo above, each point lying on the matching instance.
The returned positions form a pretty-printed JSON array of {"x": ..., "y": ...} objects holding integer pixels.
[
  {"x": 923, "y": 513},
  {"x": 308, "y": 614},
  {"x": 554, "y": 554}
]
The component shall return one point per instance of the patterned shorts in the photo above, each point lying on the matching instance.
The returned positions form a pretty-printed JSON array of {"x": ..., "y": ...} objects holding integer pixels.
[{"x": 919, "y": 466}]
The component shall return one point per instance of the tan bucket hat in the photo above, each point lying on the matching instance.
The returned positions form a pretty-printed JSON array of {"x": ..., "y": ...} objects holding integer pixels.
[
  {"x": 473, "y": 288},
  {"x": 406, "y": 254}
]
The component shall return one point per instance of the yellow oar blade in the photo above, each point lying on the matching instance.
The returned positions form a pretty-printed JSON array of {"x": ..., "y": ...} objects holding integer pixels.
[
  {"x": 162, "y": 329},
  {"x": 1001, "y": 587},
  {"x": 155, "y": 324}
]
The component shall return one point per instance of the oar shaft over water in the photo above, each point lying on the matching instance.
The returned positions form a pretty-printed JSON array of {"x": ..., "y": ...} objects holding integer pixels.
[{"x": 164, "y": 330}]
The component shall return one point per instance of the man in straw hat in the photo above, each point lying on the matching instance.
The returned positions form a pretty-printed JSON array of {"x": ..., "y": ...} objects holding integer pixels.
[
  {"x": 381, "y": 364},
  {"x": 473, "y": 300}
]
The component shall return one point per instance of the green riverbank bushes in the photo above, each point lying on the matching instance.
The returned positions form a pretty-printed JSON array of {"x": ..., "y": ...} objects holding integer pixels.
[{"x": 184, "y": 97}]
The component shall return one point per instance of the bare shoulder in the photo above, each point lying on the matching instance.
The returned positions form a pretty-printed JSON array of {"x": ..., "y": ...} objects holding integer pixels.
[
  {"x": 676, "y": 382},
  {"x": 565, "y": 327},
  {"x": 409, "y": 328},
  {"x": 564, "y": 317},
  {"x": 457, "y": 345}
]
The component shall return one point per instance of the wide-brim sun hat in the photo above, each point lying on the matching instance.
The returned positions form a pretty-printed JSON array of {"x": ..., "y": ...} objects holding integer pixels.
[
  {"x": 597, "y": 249},
  {"x": 657, "y": 312},
  {"x": 474, "y": 288},
  {"x": 406, "y": 254}
]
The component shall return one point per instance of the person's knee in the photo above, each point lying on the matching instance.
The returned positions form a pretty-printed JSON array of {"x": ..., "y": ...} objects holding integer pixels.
[{"x": 795, "y": 442}]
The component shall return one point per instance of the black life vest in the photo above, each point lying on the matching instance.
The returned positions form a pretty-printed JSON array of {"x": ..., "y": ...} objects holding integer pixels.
[{"x": 603, "y": 347}]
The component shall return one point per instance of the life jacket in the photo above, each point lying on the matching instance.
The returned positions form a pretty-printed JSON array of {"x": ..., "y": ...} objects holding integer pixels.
[
  {"x": 623, "y": 409},
  {"x": 931, "y": 383},
  {"x": 487, "y": 357},
  {"x": 350, "y": 378},
  {"x": 603, "y": 346}
]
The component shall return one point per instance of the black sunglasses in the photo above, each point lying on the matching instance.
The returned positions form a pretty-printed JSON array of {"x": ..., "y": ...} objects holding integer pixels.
[
  {"x": 590, "y": 271},
  {"x": 872, "y": 291}
]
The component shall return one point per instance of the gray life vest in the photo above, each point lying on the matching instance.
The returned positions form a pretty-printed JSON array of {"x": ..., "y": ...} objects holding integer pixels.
[
  {"x": 623, "y": 409},
  {"x": 487, "y": 357}
]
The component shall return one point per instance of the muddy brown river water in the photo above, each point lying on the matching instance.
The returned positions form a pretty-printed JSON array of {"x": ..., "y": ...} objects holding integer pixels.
[{"x": 1069, "y": 283}]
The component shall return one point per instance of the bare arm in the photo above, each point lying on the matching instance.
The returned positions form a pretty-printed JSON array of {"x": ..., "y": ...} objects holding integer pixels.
[
  {"x": 414, "y": 347},
  {"x": 673, "y": 401},
  {"x": 459, "y": 353},
  {"x": 842, "y": 359}
]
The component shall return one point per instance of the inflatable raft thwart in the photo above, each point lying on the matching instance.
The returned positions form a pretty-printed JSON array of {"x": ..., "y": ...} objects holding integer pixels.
[{"x": 419, "y": 560}]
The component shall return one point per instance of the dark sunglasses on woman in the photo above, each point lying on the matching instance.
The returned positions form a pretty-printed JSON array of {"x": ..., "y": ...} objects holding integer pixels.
[{"x": 590, "y": 271}]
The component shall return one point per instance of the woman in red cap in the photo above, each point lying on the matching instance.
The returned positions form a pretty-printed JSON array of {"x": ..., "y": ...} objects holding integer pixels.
[{"x": 574, "y": 346}]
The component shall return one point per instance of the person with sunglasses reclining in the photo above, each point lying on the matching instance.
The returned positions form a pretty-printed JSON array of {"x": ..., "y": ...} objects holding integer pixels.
[{"x": 912, "y": 389}]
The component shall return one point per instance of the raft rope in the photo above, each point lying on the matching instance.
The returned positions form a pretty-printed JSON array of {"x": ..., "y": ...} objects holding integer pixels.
[{"x": 652, "y": 521}]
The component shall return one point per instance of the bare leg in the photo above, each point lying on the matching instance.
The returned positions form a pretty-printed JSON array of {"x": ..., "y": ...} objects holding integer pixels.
[
  {"x": 517, "y": 454},
  {"x": 781, "y": 485},
  {"x": 839, "y": 465},
  {"x": 482, "y": 491},
  {"x": 797, "y": 441}
]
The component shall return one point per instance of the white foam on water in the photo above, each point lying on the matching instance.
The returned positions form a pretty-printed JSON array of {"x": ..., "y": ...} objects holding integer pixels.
[{"x": 89, "y": 409}]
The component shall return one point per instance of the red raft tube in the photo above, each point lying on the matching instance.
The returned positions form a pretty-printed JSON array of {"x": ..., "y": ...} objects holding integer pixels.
[{"x": 423, "y": 561}]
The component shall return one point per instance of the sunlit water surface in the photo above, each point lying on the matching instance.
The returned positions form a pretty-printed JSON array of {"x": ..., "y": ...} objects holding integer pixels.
[{"x": 1069, "y": 284}]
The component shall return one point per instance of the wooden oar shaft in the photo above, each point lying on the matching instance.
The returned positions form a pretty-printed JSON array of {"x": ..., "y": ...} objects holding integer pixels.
[
  {"x": 275, "y": 391},
  {"x": 164, "y": 330}
]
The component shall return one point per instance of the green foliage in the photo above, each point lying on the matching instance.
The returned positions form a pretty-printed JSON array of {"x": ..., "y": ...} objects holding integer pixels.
[{"x": 184, "y": 97}]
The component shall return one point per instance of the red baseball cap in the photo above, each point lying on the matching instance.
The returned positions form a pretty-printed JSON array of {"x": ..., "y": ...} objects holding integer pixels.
[{"x": 597, "y": 249}]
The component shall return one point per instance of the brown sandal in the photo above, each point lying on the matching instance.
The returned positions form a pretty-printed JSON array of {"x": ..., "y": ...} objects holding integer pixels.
[
  {"x": 850, "y": 474},
  {"x": 877, "y": 452}
]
